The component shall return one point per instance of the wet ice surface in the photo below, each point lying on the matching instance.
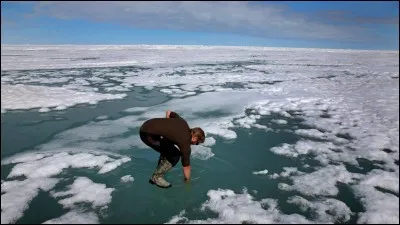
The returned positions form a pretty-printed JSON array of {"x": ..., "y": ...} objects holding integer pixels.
[{"x": 313, "y": 133}]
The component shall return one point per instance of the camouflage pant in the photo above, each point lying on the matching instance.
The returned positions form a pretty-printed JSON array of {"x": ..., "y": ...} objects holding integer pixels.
[{"x": 163, "y": 167}]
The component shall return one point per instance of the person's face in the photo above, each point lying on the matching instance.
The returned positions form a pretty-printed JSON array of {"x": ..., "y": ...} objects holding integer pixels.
[{"x": 195, "y": 141}]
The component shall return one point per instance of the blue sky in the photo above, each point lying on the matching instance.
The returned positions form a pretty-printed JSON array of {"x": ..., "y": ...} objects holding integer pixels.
[{"x": 337, "y": 24}]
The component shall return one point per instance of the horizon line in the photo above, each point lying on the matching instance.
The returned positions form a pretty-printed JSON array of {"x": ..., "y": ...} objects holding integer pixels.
[{"x": 206, "y": 45}]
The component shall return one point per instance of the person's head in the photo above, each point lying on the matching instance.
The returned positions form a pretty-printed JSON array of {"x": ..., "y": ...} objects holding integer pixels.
[{"x": 198, "y": 135}]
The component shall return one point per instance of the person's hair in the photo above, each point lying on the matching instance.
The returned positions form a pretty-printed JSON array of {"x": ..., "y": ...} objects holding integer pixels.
[{"x": 199, "y": 134}]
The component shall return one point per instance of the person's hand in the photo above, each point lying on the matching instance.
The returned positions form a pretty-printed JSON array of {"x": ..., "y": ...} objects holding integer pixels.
[
  {"x": 186, "y": 180},
  {"x": 186, "y": 172},
  {"x": 187, "y": 184},
  {"x": 167, "y": 114}
]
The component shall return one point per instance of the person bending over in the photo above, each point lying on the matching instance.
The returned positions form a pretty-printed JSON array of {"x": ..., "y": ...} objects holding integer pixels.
[{"x": 162, "y": 134}]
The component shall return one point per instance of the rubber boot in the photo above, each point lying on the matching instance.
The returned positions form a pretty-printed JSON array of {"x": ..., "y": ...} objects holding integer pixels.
[{"x": 158, "y": 176}]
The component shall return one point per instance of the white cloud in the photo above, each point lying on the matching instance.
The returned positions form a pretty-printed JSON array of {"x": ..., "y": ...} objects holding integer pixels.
[{"x": 256, "y": 19}]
